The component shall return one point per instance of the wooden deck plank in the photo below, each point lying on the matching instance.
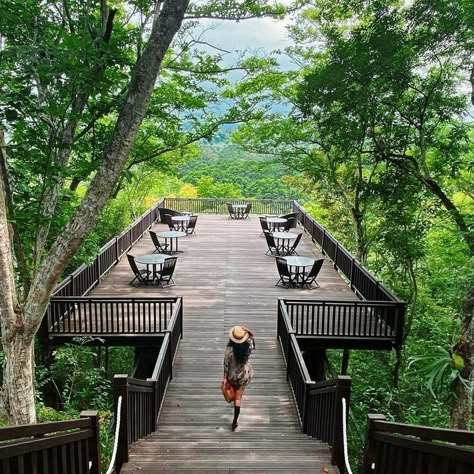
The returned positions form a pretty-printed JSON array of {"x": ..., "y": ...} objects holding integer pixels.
[{"x": 225, "y": 279}]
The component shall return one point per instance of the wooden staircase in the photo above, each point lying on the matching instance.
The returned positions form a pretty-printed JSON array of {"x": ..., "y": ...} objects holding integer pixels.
[{"x": 194, "y": 433}]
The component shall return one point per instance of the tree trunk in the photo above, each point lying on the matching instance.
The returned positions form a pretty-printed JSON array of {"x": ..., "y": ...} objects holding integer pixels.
[
  {"x": 25, "y": 322},
  {"x": 18, "y": 379},
  {"x": 461, "y": 409}
]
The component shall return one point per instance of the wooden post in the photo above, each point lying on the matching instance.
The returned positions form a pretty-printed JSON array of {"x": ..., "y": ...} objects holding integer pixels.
[
  {"x": 343, "y": 390},
  {"x": 369, "y": 449},
  {"x": 94, "y": 442},
  {"x": 335, "y": 256},
  {"x": 120, "y": 389}
]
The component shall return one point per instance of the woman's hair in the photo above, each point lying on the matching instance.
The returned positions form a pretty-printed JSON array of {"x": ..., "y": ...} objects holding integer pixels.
[{"x": 241, "y": 351}]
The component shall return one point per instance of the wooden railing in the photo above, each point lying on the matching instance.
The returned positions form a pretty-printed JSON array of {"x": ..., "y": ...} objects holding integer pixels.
[
  {"x": 394, "y": 448},
  {"x": 354, "y": 319},
  {"x": 86, "y": 277},
  {"x": 359, "y": 278},
  {"x": 319, "y": 405},
  {"x": 94, "y": 316},
  {"x": 218, "y": 206},
  {"x": 142, "y": 399},
  {"x": 52, "y": 448}
]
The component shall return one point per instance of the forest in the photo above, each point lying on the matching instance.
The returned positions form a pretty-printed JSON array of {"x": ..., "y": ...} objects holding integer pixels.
[{"x": 370, "y": 129}]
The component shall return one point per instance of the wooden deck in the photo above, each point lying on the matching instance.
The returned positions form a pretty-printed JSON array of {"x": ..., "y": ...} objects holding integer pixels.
[{"x": 225, "y": 279}]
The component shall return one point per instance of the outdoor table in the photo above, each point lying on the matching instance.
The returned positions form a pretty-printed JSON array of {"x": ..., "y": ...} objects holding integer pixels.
[
  {"x": 181, "y": 222},
  {"x": 152, "y": 259},
  {"x": 299, "y": 264},
  {"x": 283, "y": 241},
  {"x": 239, "y": 210},
  {"x": 276, "y": 222},
  {"x": 173, "y": 236}
]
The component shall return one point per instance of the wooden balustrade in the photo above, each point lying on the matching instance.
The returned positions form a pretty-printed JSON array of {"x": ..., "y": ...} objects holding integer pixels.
[
  {"x": 319, "y": 404},
  {"x": 359, "y": 278},
  {"x": 395, "y": 448},
  {"x": 218, "y": 206},
  {"x": 52, "y": 448},
  {"x": 99, "y": 316},
  {"x": 351, "y": 319},
  {"x": 86, "y": 277},
  {"x": 142, "y": 399}
]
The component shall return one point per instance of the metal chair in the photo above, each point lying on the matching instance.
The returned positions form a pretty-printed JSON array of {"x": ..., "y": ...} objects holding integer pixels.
[
  {"x": 288, "y": 225},
  {"x": 142, "y": 275},
  {"x": 158, "y": 247},
  {"x": 273, "y": 248},
  {"x": 293, "y": 215},
  {"x": 230, "y": 208},
  {"x": 169, "y": 221},
  {"x": 191, "y": 225},
  {"x": 264, "y": 225},
  {"x": 166, "y": 273},
  {"x": 292, "y": 250},
  {"x": 286, "y": 278},
  {"x": 247, "y": 210},
  {"x": 310, "y": 277}
]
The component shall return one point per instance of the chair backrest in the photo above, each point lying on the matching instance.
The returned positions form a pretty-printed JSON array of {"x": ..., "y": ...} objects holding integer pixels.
[
  {"x": 288, "y": 224},
  {"x": 154, "y": 239},
  {"x": 282, "y": 266},
  {"x": 169, "y": 221},
  {"x": 133, "y": 264},
  {"x": 293, "y": 215},
  {"x": 316, "y": 268},
  {"x": 264, "y": 223},
  {"x": 248, "y": 208},
  {"x": 192, "y": 222},
  {"x": 297, "y": 241},
  {"x": 168, "y": 267},
  {"x": 230, "y": 208},
  {"x": 270, "y": 240}
]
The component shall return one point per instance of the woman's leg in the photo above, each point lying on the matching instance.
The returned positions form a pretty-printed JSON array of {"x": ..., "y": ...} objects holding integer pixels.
[{"x": 237, "y": 402}]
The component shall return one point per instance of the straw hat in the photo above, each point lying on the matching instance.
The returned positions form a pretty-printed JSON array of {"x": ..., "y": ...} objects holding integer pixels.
[{"x": 238, "y": 334}]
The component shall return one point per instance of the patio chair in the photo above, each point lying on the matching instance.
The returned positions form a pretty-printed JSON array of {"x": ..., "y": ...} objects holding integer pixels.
[
  {"x": 310, "y": 277},
  {"x": 247, "y": 210},
  {"x": 158, "y": 247},
  {"x": 230, "y": 208},
  {"x": 293, "y": 215},
  {"x": 142, "y": 275},
  {"x": 166, "y": 274},
  {"x": 288, "y": 225},
  {"x": 169, "y": 221},
  {"x": 264, "y": 225},
  {"x": 273, "y": 249},
  {"x": 292, "y": 250},
  {"x": 164, "y": 211},
  {"x": 286, "y": 278},
  {"x": 191, "y": 225}
]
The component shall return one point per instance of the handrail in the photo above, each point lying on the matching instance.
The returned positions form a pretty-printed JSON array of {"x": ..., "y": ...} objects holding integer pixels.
[
  {"x": 344, "y": 436},
  {"x": 344, "y": 261},
  {"x": 116, "y": 439},
  {"x": 434, "y": 446}
]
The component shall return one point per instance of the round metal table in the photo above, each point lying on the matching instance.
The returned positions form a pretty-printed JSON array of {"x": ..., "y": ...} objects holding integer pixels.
[
  {"x": 173, "y": 236},
  {"x": 239, "y": 210},
  {"x": 299, "y": 264},
  {"x": 152, "y": 259},
  {"x": 181, "y": 222},
  {"x": 283, "y": 240},
  {"x": 275, "y": 222}
]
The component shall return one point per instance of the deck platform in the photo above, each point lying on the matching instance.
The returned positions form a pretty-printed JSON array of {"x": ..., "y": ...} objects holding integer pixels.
[{"x": 225, "y": 279}]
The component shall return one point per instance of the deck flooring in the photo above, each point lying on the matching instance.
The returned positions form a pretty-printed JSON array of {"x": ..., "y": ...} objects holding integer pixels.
[{"x": 225, "y": 279}]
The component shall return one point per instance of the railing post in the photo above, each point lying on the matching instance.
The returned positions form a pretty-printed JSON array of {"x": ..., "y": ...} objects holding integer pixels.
[
  {"x": 304, "y": 418},
  {"x": 94, "y": 442},
  {"x": 322, "y": 242},
  {"x": 352, "y": 273},
  {"x": 369, "y": 449},
  {"x": 120, "y": 389},
  {"x": 343, "y": 390},
  {"x": 116, "y": 250},
  {"x": 335, "y": 256}
]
